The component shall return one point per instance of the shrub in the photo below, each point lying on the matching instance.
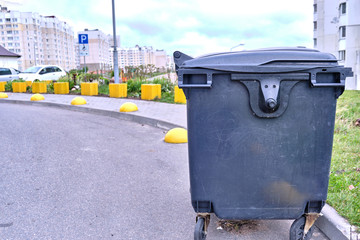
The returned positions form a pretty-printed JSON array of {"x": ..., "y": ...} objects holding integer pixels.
[
  {"x": 166, "y": 84},
  {"x": 88, "y": 77},
  {"x": 134, "y": 87},
  {"x": 8, "y": 86},
  {"x": 50, "y": 88},
  {"x": 103, "y": 89},
  {"x": 18, "y": 80}
]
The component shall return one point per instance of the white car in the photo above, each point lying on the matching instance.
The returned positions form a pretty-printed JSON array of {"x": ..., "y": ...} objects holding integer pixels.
[
  {"x": 42, "y": 72},
  {"x": 8, "y": 74}
]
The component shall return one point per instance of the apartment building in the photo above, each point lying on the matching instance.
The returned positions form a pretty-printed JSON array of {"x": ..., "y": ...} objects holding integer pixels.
[
  {"x": 137, "y": 56},
  {"x": 100, "y": 54},
  {"x": 337, "y": 31},
  {"x": 38, "y": 39}
]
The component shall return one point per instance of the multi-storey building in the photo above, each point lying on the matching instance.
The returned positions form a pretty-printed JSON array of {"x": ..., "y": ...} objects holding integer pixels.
[
  {"x": 337, "y": 31},
  {"x": 137, "y": 56},
  {"x": 100, "y": 56},
  {"x": 38, "y": 39}
]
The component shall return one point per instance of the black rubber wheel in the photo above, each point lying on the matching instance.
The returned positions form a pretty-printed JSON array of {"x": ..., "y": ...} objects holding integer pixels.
[
  {"x": 199, "y": 233},
  {"x": 297, "y": 230}
]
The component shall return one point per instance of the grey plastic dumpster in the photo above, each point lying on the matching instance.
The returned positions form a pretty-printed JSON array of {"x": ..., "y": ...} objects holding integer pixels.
[{"x": 260, "y": 132}]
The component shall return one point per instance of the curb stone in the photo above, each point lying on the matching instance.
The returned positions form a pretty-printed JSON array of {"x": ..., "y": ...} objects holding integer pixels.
[
  {"x": 123, "y": 116},
  {"x": 334, "y": 226}
]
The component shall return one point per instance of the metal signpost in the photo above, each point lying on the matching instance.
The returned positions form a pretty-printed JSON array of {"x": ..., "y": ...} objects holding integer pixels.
[
  {"x": 116, "y": 64},
  {"x": 84, "y": 47}
]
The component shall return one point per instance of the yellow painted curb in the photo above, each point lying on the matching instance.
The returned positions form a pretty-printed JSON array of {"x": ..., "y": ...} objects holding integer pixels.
[
  {"x": 3, "y": 95},
  {"x": 37, "y": 97},
  {"x": 176, "y": 135},
  {"x": 78, "y": 101},
  {"x": 128, "y": 107}
]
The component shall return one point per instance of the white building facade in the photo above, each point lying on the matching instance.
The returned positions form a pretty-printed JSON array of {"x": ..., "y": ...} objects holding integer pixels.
[
  {"x": 38, "y": 39},
  {"x": 100, "y": 54},
  {"x": 137, "y": 56},
  {"x": 337, "y": 31}
]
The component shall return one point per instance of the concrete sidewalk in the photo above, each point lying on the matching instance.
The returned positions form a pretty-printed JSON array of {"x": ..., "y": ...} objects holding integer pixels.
[
  {"x": 162, "y": 115},
  {"x": 166, "y": 116}
]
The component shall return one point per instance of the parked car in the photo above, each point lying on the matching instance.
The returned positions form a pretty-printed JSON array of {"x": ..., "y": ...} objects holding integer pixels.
[
  {"x": 8, "y": 74},
  {"x": 42, "y": 72}
]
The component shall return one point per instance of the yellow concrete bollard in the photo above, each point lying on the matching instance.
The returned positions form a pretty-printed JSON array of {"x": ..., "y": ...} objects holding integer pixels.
[
  {"x": 39, "y": 87},
  {"x": 89, "y": 89},
  {"x": 37, "y": 97},
  {"x": 2, "y": 86},
  {"x": 179, "y": 96},
  {"x": 128, "y": 107},
  {"x": 3, "y": 95},
  {"x": 78, "y": 101},
  {"x": 19, "y": 87},
  {"x": 176, "y": 135},
  {"x": 150, "y": 91},
  {"x": 28, "y": 83},
  {"x": 118, "y": 90},
  {"x": 61, "y": 87}
]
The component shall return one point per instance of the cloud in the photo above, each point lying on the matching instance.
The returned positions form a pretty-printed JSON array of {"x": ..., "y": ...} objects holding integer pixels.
[{"x": 194, "y": 26}]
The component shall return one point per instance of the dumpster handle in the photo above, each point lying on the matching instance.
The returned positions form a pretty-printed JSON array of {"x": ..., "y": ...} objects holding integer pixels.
[
  {"x": 343, "y": 73},
  {"x": 194, "y": 85},
  {"x": 205, "y": 82},
  {"x": 341, "y": 84}
]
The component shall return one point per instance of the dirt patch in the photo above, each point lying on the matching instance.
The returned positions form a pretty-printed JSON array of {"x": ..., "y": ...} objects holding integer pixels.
[
  {"x": 357, "y": 122},
  {"x": 238, "y": 226}
]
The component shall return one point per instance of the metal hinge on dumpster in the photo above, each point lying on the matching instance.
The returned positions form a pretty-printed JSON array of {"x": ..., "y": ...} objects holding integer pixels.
[{"x": 273, "y": 98}]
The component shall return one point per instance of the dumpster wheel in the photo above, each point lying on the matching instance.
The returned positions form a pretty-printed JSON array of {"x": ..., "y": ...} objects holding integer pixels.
[
  {"x": 202, "y": 223},
  {"x": 297, "y": 230}
]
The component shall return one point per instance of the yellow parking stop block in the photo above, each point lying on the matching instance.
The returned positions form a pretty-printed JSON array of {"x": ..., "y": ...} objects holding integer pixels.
[
  {"x": 176, "y": 135},
  {"x": 78, "y": 101},
  {"x": 2, "y": 86},
  {"x": 37, "y": 97},
  {"x": 128, "y": 107},
  {"x": 3, "y": 95}
]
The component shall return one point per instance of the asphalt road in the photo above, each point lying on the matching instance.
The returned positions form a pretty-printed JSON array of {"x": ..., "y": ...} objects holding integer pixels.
[{"x": 71, "y": 175}]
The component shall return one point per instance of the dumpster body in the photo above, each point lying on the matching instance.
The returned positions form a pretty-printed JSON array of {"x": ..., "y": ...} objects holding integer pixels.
[{"x": 260, "y": 130}]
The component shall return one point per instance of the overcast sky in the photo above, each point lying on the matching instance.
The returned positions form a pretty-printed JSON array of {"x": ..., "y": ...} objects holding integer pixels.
[{"x": 194, "y": 27}]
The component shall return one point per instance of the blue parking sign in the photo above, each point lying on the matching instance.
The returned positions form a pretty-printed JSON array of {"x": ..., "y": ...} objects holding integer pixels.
[{"x": 83, "y": 39}]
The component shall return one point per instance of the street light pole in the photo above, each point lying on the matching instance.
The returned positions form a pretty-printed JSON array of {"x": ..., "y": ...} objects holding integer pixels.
[
  {"x": 116, "y": 64},
  {"x": 241, "y": 44}
]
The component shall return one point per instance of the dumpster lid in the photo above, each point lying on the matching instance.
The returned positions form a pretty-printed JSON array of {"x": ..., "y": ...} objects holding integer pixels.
[{"x": 261, "y": 60}]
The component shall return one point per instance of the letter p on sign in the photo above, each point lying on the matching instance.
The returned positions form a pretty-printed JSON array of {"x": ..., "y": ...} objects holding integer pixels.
[{"x": 83, "y": 39}]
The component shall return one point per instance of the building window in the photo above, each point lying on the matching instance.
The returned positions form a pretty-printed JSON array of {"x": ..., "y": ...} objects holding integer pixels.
[
  {"x": 342, "y": 8},
  {"x": 342, "y": 32},
  {"x": 14, "y": 19},
  {"x": 315, "y": 8},
  {"x": 342, "y": 55},
  {"x": 315, "y": 42},
  {"x": 315, "y": 25},
  {"x": 7, "y": 19}
]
